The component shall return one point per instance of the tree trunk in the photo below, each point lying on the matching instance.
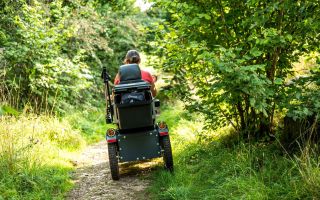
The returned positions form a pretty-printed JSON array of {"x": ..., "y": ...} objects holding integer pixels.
[{"x": 242, "y": 118}]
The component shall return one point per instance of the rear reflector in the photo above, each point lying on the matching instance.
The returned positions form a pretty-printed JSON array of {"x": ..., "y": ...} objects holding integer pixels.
[
  {"x": 112, "y": 140},
  {"x": 163, "y": 133}
]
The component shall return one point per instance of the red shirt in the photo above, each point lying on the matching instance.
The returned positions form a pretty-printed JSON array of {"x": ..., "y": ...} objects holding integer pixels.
[{"x": 146, "y": 76}]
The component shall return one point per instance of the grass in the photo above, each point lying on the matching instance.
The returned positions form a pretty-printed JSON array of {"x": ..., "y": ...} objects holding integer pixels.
[
  {"x": 35, "y": 156},
  {"x": 36, "y": 152},
  {"x": 207, "y": 168},
  {"x": 91, "y": 123}
]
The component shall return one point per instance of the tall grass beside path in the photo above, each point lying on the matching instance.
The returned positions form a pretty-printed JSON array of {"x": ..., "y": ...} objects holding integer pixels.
[
  {"x": 35, "y": 154},
  {"x": 211, "y": 165}
]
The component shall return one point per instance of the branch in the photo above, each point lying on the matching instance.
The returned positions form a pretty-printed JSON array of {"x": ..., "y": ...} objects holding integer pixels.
[{"x": 230, "y": 121}]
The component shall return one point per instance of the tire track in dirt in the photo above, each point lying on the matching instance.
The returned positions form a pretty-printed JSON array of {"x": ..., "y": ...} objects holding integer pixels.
[{"x": 93, "y": 179}]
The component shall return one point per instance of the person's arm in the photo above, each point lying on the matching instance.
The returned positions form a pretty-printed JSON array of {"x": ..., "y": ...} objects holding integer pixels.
[
  {"x": 115, "y": 82},
  {"x": 151, "y": 80},
  {"x": 153, "y": 90},
  {"x": 117, "y": 79}
]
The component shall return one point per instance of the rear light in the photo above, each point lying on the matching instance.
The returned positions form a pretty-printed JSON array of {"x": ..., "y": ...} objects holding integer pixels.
[
  {"x": 162, "y": 125},
  {"x": 111, "y": 132},
  {"x": 163, "y": 129}
]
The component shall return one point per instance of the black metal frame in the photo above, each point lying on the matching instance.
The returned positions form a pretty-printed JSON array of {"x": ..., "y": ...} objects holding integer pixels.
[
  {"x": 135, "y": 143},
  {"x": 109, "y": 112}
]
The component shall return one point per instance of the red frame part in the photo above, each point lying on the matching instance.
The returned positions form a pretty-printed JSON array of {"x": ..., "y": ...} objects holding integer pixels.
[
  {"x": 111, "y": 140},
  {"x": 163, "y": 133}
]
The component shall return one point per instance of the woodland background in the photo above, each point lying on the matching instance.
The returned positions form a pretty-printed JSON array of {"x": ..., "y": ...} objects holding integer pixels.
[{"x": 247, "y": 73}]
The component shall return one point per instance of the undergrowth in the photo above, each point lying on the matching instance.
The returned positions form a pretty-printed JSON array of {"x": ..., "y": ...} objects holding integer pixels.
[
  {"x": 36, "y": 151},
  {"x": 90, "y": 122},
  {"x": 208, "y": 166},
  {"x": 35, "y": 154}
]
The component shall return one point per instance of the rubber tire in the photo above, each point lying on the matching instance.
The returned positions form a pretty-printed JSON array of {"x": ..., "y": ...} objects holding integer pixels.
[
  {"x": 113, "y": 161},
  {"x": 167, "y": 153}
]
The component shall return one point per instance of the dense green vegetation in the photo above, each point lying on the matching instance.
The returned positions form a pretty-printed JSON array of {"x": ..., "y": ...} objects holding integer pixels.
[
  {"x": 237, "y": 59},
  {"x": 247, "y": 72},
  {"x": 34, "y": 161},
  {"x": 36, "y": 152},
  {"x": 236, "y": 63},
  {"x": 52, "y": 53},
  {"x": 217, "y": 165},
  {"x": 51, "y": 95}
]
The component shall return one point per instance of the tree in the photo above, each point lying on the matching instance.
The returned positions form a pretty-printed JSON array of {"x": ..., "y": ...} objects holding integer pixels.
[
  {"x": 52, "y": 52},
  {"x": 236, "y": 55}
]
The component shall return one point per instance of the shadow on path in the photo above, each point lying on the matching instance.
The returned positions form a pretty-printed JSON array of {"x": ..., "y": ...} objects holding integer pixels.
[{"x": 93, "y": 179}]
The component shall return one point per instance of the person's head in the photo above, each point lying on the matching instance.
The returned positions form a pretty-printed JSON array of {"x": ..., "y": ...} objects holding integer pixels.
[{"x": 132, "y": 57}]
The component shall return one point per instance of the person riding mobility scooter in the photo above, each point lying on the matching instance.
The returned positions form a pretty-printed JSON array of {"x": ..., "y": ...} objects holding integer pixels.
[{"x": 133, "y": 109}]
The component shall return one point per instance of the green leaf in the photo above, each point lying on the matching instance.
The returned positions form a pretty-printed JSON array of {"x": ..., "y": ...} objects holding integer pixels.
[
  {"x": 289, "y": 37},
  {"x": 255, "y": 52},
  {"x": 252, "y": 102},
  {"x": 207, "y": 17},
  {"x": 278, "y": 81}
]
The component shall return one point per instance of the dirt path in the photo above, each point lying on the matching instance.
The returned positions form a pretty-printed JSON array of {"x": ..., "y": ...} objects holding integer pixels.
[{"x": 93, "y": 179}]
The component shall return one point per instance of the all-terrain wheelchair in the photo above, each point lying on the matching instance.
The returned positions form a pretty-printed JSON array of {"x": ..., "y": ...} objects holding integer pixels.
[{"x": 133, "y": 109}]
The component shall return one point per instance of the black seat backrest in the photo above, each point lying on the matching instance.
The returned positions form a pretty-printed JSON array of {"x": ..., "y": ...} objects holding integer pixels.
[
  {"x": 129, "y": 73},
  {"x": 133, "y": 99}
]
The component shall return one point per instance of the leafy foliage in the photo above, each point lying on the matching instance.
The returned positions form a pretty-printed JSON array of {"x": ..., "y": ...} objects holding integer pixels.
[
  {"x": 52, "y": 52},
  {"x": 304, "y": 94},
  {"x": 236, "y": 55}
]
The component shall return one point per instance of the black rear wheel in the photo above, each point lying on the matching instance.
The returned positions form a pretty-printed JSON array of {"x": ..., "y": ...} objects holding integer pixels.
[
  {"x": 167, "y": 153},
  {"x": 113, "y": 161}
]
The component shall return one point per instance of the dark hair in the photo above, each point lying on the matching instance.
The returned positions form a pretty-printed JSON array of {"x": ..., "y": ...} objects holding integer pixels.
[{"x": 132, "y": 57}]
